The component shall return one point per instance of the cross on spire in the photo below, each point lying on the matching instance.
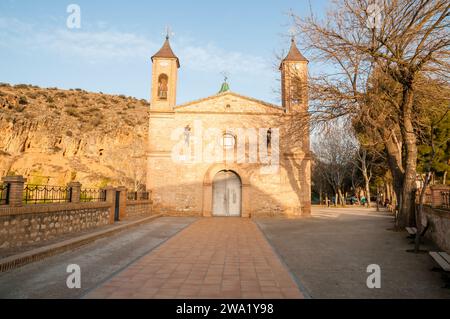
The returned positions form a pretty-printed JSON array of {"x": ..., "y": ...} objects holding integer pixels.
[
  {"x": 169, "y": 33},
  {"x": 292, "y": 32},
  {"x": 225, "y": 87},
  {"x": 225, "y": 75}
]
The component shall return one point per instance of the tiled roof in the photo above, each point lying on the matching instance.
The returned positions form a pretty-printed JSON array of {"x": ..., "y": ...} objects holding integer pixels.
[
  {"x": 166, "y": 52},
  {"x": 294, "y": 53}
]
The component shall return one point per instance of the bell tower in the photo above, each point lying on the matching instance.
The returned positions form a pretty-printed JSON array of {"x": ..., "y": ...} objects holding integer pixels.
[
  {"x": 164, "y": 79},
  {"x": 294, "y": 80}
]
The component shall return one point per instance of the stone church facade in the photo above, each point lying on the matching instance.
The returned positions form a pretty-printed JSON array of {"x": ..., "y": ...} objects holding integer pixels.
[{"x": 228, "y": 154}]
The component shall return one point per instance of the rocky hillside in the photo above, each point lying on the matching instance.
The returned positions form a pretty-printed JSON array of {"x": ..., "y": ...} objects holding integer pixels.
[{"x": 54, "y": 136}]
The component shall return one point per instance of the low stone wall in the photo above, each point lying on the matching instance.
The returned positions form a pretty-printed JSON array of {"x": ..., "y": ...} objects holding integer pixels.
[
  {"x": 136, "y": 208},
  {"x": 30, "y": 224},
  {"x": 439, "y": 229}
]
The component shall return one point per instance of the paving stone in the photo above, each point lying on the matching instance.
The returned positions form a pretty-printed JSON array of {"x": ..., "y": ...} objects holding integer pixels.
[
  {"x": 98, "y": 260},
  {"x": 233, "y": 260}
]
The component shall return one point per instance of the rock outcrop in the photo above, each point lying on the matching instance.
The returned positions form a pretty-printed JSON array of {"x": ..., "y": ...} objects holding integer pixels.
[{"x": 54, "y": 136}]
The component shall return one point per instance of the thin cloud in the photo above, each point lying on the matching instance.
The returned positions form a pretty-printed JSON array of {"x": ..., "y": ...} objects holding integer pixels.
[
  {"x": 101, "y": 45},
  {"x": 95, "y": 45},
  {"x": 210, "y": 58}
]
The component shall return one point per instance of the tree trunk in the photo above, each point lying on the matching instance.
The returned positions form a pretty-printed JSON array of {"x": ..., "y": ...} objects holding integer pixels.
[
  {"x": 406, "y": 214},
  {"x": 378, "y": 198},
  {"x": 394, "y": 158},
  {"x": 367, "y": 189},
  {"x": 388, "y": 192},
  {"x": 366, "y": 177},
  {"x": 341, "y": 197},
  {"x": 320, "y": 198}
]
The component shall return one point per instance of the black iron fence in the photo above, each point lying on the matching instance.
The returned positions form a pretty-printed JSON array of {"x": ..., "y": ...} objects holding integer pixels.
[
  {"x": 92, "y": 195},
  {"x": 138, "y": 196},
  {"x": 4, "y": 194},
  {"x": 45, "y": 194},
  {"x": 132, "y": 195},
  {"x": 42, "y": 194}
]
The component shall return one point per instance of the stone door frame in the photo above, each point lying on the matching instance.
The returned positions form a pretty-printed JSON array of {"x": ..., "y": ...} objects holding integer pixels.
[
  {"x": 208, "y": 188},
  {"x": 221, "y": 187}
]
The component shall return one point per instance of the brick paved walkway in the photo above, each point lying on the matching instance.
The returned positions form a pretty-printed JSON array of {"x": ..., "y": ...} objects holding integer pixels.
[{"x": 212, "y": 258}]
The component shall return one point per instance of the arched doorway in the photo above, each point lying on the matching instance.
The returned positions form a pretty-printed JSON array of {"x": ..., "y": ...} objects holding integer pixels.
[{"x": 227, "y": 194}]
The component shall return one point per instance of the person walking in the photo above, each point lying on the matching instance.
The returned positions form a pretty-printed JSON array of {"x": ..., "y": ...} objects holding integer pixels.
[{"x": 363, "y": 201}]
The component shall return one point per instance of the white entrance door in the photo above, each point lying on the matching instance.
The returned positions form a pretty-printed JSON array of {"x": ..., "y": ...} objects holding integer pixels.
[{"x": 226, "y": 194}]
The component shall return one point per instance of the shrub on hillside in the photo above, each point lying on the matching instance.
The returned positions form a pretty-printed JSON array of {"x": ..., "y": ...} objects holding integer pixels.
[
  {"x": 96, "y": 121},
  {"x": 23, "y": 100},
  {"x": 72, "y": 112},
  {"x": 33, "y": 95},
  {"x": 70, "y": 105},
  {"x": 20, "y": 108}
]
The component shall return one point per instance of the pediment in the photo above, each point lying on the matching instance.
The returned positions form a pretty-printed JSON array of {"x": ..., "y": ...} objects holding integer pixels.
[{"x": 228, "y": 102}]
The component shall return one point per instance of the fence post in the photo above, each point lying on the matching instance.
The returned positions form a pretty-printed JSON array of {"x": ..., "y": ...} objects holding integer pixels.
[
  {"x": 122, "y": 202},
  {"x": 75, "y": 192},
  {"x": 15, "y": 189},
  {"x": 110, "y": 198},
  {"x": 436, "y": 195}
]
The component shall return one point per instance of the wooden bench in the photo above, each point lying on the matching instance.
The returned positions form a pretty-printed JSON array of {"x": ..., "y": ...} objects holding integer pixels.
[
  {"x": 442, "y": 259},
  {"x": 412, "y": 231},
  {"x": 416, "y": 236}
]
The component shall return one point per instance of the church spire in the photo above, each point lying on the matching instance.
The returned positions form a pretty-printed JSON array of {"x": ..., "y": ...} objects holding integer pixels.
[
  {"x": 294, "y": 80},
  {"x": 165, "y": 65},
  {"x": 166, "y": 52},
  {"x": 225, "y": 87},
  {"x": 294, "y": 54}
]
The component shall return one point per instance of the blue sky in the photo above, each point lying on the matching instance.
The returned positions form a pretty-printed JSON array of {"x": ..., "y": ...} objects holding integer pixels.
[{"x": 111, "y": 52}]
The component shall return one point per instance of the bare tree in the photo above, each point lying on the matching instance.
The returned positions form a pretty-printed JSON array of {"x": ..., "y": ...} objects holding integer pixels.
[
  {"x": 334, "y": 151},
  {"x": 319, "y": 182},
  {"x": 364, "y": 165},
  {"x": 133, "y": 168},
  {"x": 408, "y": 43}
]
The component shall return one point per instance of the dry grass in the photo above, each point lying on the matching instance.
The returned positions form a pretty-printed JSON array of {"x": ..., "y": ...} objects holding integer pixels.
[{"x": 74, "y": 110}]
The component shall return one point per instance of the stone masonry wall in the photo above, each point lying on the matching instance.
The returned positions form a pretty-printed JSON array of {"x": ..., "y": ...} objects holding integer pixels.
[
  {"x": 185, "y": 188},
  {"x": 138, "y": 208},
  {"x": 439, "y": 230},
  {"x": 38, "y": 223}
]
